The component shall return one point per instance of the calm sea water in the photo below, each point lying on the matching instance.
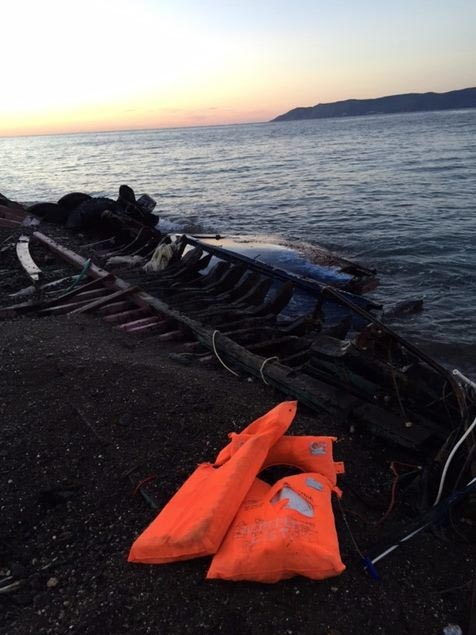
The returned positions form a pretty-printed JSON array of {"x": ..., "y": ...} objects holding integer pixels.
[{"x": 394, "y": 192}]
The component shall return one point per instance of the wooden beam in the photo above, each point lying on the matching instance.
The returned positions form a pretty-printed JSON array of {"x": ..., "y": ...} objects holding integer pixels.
[
  {"x": 25, "y": 307},
  {"x": 145, "y": 329},
  {"x": 9, "y": 224},
  {"x": 114, "y": 307},
  {"x": 12, "y": 214},
  {"x": 93, "y": 293},
  {"x": 123, "y": 316},
  {"x": 97, "y": 304},
  {"x": 60, "y": 309},
  {"x": 26, "y": 261},
  {"x": 88, "y": 286},
  {"x": 151, "y": 319}
]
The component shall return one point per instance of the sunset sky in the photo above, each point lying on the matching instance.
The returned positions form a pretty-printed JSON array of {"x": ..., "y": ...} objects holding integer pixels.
[{"x": 79, "y": 65}]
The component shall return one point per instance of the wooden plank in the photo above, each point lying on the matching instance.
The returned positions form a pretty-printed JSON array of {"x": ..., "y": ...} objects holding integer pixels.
[
  {"x": 61, "y": 309},
  {"x": 171, "y": 336},
  {"x": 92, "y": 284},
  {"x": 165, "y": 325},
  {"x": 114, "y": 307},
  {"x": 139, "y": 298},
  {"x": 151, "y": 319},
  {"x": 245, "y": 288},
  {"x": 148, "y": 319},
  {"x": 97, "y": 304},
  {"x": 205, "y": 359},
  {"x": 12, "y": 214},
  {"x": 97, "y": 242},
  {"x": 93, "y": 293},
  {"x": 145, "y": 329},
  {"x": 391, "y": 426},
  {"x": 26, "y": 261},
  {"x": 25, "y": 307},
  {"x": 215, "y": 273},
  {"x": 123, "y": 248},
  {"x": 123, "y": 316},
  {"x": 6, "y": 223}
]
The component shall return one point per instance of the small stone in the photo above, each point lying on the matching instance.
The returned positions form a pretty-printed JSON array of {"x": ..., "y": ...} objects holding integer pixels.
[
  {"x": 334, "y": 589},
  {"x": 52, "y": 582}
]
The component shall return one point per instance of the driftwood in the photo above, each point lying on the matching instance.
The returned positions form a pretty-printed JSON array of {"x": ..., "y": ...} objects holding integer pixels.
[{"x": 26, "y": 261}]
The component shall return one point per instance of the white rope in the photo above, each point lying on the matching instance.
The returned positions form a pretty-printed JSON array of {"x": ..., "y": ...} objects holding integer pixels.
[
  {"x": 396, "y": 545},
  {"x": 448, "y": 461},
  {"x": 218, "y": 356},
  {"x": 269, "y": 359},
  {"x": 408, "y": 536},
  {"x": 161, "y": 257}
]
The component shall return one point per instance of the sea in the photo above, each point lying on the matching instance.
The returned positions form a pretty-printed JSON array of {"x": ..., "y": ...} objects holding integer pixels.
[{"x": 393, "y": 192}]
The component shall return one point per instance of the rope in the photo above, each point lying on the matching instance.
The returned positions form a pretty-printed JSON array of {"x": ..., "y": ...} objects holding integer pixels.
[
  {"x": 448, "y": 461},
  {"x": 161, "y": 257},
  {"x": 218, "y": 356},
  {"x": 349, "y": 530},
  {"x": 269, "y": 359},
  {"x": 79, "y": 278},
  {"x": 368, "y": 564},
  {"x": 396, "y": 479},
  {"x": 429, "y": 519}
]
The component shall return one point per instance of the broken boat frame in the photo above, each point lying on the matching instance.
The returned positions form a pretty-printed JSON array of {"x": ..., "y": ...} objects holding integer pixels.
[{"x": 339, "y": 358}]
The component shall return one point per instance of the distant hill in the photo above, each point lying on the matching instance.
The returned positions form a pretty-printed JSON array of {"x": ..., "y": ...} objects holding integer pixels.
[{"x": 411, "y": 102}]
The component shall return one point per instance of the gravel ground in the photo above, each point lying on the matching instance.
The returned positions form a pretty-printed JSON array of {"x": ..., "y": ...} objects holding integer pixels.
[{"x": 81, "y": 405}]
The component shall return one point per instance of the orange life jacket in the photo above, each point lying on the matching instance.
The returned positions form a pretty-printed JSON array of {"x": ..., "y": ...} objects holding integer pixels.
[
  {"x": 195, "y": 520},
  {"x": 281, "y": 531},
  {"x": 308, "y": 454}
]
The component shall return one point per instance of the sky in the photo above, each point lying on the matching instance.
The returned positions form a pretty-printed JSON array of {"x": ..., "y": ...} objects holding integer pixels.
[{"x": 86, "y": 65}]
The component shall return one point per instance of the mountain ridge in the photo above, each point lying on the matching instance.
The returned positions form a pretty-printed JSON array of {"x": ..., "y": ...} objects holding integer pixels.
[{"x": 404, "y": 102}]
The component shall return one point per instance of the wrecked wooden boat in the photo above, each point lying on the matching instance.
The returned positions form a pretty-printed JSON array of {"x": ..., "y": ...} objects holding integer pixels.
[{"x": 324, "y": 346}]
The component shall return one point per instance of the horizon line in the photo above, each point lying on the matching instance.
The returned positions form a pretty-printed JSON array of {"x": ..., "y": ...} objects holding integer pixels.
[
  {"x": 222, "y": 125},
  {"x": 116, "y": 130}
]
